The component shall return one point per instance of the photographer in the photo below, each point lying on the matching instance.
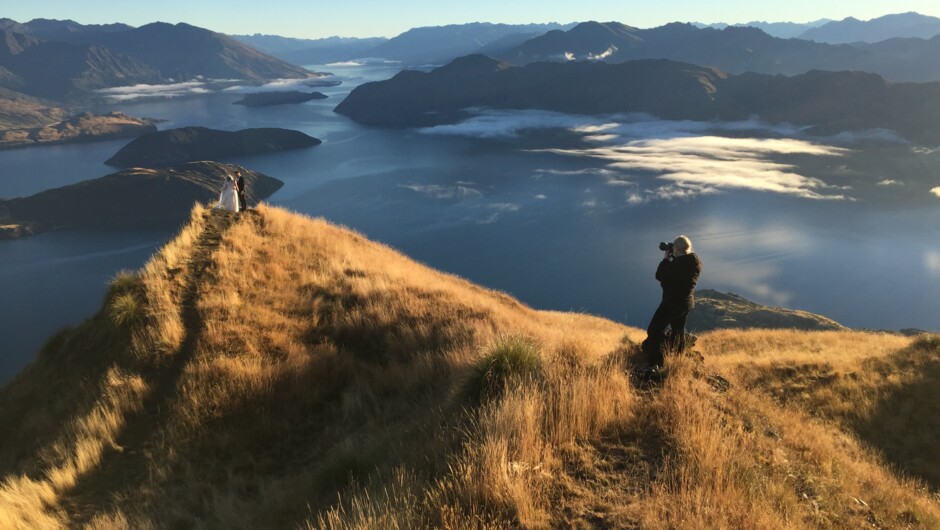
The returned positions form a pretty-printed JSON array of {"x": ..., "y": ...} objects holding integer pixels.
[{"x": 678, "y": 273}]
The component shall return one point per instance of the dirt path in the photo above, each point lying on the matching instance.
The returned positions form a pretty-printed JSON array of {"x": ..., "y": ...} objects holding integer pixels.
[{"x": 127, "y": 465}]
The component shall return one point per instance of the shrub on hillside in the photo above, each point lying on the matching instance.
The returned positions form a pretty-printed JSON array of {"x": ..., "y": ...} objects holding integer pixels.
[
  {"x": 122, "y": 302},
  {"x": 511, "y": 359}
]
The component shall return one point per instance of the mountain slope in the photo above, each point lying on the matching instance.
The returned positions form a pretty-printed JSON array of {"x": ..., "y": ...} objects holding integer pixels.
[
  {"x": 17, "y": 110},
  {"x": 65, "y": 60},
  {"x": 268, "y": 370},
  {"x": 441, "y": 44},
  {"x": 59, "y": 70},
  {"x": 182, "y": 51},
  {"x": 901, "y": 25}
]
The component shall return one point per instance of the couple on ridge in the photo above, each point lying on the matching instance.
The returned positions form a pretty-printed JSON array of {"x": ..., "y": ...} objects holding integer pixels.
[{"x": 233, "y": 193}]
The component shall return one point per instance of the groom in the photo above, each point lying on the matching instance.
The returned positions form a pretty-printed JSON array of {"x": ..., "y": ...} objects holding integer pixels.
[{"x": 240, "y": 187}]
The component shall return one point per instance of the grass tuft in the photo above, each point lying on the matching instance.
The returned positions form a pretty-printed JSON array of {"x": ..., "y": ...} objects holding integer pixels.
[
  {"x": 512, "y": 359},
  {"x": 125, "y": 310}
]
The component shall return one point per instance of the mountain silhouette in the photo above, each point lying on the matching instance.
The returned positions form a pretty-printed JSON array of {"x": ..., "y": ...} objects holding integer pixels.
[
  {"x": 64, "y": 60},
  {"x": 850, "y": 30},
  {"x": 441, "y": 44},
  {"x": 732, "y": 49},
  {"x": 181, "y": 51},
  {"x": 825, "y": 102}
]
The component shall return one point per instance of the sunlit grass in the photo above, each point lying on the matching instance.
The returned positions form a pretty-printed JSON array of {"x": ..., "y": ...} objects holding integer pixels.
[{"x": 290, "y": 373}]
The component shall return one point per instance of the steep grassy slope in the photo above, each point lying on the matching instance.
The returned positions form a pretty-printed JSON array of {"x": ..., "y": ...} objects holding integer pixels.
[{"x": 272, "y": 371}]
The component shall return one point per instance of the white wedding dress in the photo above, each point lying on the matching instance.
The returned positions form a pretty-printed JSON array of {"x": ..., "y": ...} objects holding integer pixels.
[{"x": 229, "y": 199}]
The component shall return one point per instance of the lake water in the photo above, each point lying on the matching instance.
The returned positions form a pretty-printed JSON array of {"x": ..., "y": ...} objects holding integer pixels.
[{"x": 562, "y": 212}]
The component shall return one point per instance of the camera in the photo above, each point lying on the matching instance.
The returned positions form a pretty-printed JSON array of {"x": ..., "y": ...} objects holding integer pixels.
[{"x": 670, "y": 247}]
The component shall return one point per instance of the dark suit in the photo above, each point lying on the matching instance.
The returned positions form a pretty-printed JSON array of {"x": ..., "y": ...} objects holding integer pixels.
[
  {"x": 678, "y": 278},
  {"x": 242, "y": 203}
]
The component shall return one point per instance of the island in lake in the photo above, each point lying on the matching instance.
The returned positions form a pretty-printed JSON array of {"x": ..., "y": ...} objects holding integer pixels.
[
  {"x": 137, "y": 198},
  {"x": 189, "y": 144},
  {"x": 267, "y": 99}
]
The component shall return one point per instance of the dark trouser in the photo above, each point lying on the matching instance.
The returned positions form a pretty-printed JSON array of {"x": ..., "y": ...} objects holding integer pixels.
[
  {"x": 669, "y": 314},
  {"x": 242, "y": 204}
]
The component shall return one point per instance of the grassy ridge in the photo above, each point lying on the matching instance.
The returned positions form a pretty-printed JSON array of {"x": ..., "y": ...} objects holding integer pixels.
[{"x": 269, "y": 370}]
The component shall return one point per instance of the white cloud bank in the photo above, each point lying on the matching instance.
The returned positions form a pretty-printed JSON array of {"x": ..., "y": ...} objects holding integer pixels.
[
  {"x": 172, "y": 90},
  {"x": 209, "y": 86},
  {"x": 437, "y": 191},
  {"x": 689, "y": 158},
  {"x": 707, "y": 164}
]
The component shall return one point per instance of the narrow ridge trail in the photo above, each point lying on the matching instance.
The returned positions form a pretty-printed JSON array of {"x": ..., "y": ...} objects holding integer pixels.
[{"x": 126, "y": 464}]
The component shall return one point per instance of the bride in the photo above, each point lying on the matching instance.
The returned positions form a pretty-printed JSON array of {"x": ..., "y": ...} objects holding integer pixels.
[{"x": 229, "y": 198}]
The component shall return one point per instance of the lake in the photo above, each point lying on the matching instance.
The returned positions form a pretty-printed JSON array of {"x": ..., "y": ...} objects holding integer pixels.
[{"x": 564, "y": 212}]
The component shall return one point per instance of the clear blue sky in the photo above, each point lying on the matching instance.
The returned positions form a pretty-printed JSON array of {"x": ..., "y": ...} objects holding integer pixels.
[{"x": 366, "y": 18}]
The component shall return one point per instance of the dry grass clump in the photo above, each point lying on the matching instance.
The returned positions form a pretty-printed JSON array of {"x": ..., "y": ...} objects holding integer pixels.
[
  {"x": 511, "y": 360},
  {"x": 270, "y": 370}
]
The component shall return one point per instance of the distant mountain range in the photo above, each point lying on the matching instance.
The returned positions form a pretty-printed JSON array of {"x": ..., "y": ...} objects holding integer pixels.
[
  {"x": 64, "y": 60},
  {"x": 311, "y": 51},
  {"x": 438, "y": 45},
  {"x": 826, "y": 102},
  {"x": 849, "y": 30},
  {"x": 417, "y": 46},
  {"x": 733, "y": 49},
  {"x": 783, "y": 30}
]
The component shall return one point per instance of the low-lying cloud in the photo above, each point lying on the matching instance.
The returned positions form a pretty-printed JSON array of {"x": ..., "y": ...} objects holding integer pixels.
[
  {"x": 687, "y": 158},
  {"x": 495, "y": 123},
  {"x": 708, "y": 164},
  {"x": 438, "y": 191},
  {"x": 935, "y": 191},
  {"x": 171, "y": 90},
  {"x": 890, "y": 182},
  {"x": 510, "y": 123},
  {"x": 209, "y": 86}
]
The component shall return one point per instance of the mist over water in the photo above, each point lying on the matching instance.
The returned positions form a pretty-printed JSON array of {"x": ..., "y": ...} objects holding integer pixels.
[{"x": 564, "y": 212}]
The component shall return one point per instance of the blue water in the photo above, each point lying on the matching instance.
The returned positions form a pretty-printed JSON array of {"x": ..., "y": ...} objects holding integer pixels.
[{"x": 487, "y": 210}]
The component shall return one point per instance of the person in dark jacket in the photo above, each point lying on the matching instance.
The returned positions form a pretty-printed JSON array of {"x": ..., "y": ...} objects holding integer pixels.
[
  {"x": 240, "y": 186},
  {"x": 678, "y": 273}
]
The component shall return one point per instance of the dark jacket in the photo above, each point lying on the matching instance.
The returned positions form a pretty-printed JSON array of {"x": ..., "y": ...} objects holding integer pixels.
[
  {"x": 241, "y": 184},
  {"x": 678, "y": 278}
]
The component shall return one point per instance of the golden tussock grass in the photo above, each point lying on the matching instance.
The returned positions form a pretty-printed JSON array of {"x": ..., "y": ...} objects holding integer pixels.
[{"x": 273, "y": 371}]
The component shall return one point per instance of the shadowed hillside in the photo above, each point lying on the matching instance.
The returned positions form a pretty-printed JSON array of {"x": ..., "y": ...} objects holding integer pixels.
[{"x": 272, "y": 371}]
